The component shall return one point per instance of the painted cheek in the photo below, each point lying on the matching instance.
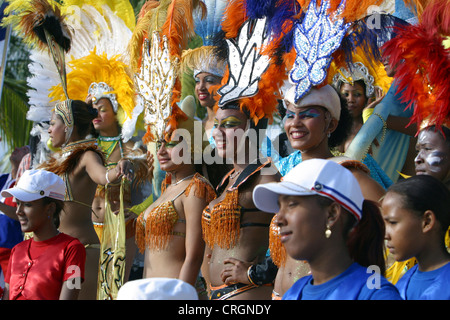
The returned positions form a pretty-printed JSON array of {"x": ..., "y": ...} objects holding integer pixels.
[{"x": 434, "y": 160}]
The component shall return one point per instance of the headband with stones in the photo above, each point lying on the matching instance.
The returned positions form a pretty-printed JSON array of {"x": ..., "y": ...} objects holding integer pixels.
[{"x": 102, "y": 90}]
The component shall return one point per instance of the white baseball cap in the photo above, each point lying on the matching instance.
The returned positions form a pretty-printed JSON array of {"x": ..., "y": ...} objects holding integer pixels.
[
  {"x": 325, "y": 96},
  {"x": 313, "y": 177},
  {"x": 157, "y": 289},
  {"x": 37, "y": 184}
]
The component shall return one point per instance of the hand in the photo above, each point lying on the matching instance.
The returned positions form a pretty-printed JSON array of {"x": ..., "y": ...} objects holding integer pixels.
[
  {"x": 235, "y": 271},
  {"x": 379, "y": 95},
  {"x": 125, "y": 168}
]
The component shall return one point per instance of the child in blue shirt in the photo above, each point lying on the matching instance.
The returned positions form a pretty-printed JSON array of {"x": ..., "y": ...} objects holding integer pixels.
[
  {"x": 416, "y": 214},
  {"x": 324, "y": 220}
]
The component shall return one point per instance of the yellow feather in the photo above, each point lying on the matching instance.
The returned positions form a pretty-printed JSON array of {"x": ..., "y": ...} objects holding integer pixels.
[{"x": 98, "y": 68}]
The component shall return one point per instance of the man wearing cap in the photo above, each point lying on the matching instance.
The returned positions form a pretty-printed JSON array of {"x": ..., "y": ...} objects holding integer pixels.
[
  {"x": 49, "y": 266},
  {"x": 319, "y": 207}
]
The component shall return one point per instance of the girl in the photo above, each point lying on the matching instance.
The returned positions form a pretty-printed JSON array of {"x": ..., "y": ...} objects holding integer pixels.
[
  {"x": 49, "y": 266},
  {"x": 169, "y": 231},
  {"x": 415, "y": 211},
  {"x": 324, "y": 220},
  {"x": 81, "y": 166}
]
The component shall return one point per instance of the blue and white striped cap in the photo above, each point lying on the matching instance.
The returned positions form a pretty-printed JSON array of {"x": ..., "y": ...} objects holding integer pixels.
[{"x": 313, "y": 177}]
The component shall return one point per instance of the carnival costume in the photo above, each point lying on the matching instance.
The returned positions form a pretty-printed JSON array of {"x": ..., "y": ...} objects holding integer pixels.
[
  {"x": 97, "y": 66},
  {"x": 251, "y": 84},
  {"x": 161, "y": 34},
  {"x": 422, "y": 55},
  {"x": 203, "y": 59}
]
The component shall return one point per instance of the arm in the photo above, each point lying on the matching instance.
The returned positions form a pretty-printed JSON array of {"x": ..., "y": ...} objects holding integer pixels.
[
  {"x": 371, "y": 189},
  {"x": 68, "y": 293},
  {"x": 9, "y": 211},
  {"x": 399, "y": 124},
  {"x": 97, "y": 171},
  {"x": 195, "y": 246}
]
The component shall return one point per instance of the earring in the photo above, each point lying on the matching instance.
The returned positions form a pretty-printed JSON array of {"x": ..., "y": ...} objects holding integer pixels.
[
  {"x": 327, "y": 232},
  {"x": 329, "y": 134}
]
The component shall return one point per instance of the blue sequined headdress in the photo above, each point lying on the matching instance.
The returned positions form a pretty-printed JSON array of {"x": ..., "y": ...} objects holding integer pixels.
[{"x": 316, "y": 37}]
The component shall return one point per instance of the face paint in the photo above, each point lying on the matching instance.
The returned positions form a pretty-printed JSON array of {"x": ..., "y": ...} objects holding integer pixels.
[
  {"x": 435, "y": 159},
  {"x": 302, "y": 115}
]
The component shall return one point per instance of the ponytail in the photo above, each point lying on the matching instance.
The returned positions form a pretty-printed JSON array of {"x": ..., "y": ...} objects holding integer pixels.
[{"x": 366, "y": 239}]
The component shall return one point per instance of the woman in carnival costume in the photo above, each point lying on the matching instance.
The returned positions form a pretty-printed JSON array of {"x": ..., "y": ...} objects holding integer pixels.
[
  {"x": 426, "y": 91},
  {"x": 168, "y": 232},
  {"x": 102, "y": 79},
  {"x": 363, "y": 84},
  {"x": 233, "y": 228},
  {"x": 207, "y": 69},
  {"x": 79, "y": 162},
  {"x": 311, "y": 101}
]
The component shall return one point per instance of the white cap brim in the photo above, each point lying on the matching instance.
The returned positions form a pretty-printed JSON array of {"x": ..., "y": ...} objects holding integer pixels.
[
  {"x": 21, "y": 195},
  {"x": 265, "y": 196}
]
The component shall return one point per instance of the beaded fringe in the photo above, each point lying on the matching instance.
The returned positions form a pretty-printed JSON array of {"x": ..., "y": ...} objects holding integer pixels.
[
  {"x": 159, "y": 225},
  {"x": 223, "y": 227},
  {"x": 276, "y": 248}
]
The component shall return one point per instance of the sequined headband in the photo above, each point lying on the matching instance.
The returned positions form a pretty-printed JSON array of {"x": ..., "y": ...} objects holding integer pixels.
[
  {"x": 64, "y": 110},
  {"x": 358, "y": 72},
  {"x": 102, "y": 90}
]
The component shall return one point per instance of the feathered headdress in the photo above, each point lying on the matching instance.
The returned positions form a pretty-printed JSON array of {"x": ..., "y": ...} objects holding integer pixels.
[
  {"x": 101, "y": 27},
  {"x": 421, "y": 55},
  {"x": 371, "y": 72},
  {"x": 101, "y": 77},
  {"x": 161, "y": 34},
  {"x": 248, "y": 41},
  {"x": 331, "y": 30},
  {"x": 203, "y": 59}
]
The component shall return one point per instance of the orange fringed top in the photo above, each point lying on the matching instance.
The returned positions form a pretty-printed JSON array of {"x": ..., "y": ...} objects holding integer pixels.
[{"x": 156, "y": 229}]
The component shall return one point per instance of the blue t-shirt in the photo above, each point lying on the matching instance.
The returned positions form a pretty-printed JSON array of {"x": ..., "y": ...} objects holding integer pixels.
[
  {"x": 429, "y": 285},
  {"x": 355, "y": 283}
]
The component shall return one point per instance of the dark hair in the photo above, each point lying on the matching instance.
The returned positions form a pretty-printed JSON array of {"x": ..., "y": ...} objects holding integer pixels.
[
  {"x": 365, "y": 239},
  {"x": 343, "y": 129},
  {"x": 83, "y": 114},
  {"x": 59, "y": 206},
  {"x": 423, "y": 192}
]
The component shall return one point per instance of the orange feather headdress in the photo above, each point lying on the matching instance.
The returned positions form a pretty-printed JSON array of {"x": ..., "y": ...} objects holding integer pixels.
[{"x": 421, "y": 55}]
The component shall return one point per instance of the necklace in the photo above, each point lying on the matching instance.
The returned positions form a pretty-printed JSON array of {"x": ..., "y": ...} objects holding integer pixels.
[
  {"x": 185, "y": 178},
  {"x": 69, "y": 148}
]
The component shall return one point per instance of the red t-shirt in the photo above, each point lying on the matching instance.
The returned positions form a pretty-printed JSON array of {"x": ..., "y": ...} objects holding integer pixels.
[{"x": 38, "y": 269}]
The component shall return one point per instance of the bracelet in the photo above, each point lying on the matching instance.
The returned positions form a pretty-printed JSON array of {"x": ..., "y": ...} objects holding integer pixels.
[
  {"x": 249, "y": 277},
  {"x": 106, "y": 175}
]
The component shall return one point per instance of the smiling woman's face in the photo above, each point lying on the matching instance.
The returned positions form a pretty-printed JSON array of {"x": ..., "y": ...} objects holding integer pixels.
[
  {"x": 203, "y": 83},
  {"x": 306, "y": 127},
  {"x": 229, "y": 130}
]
